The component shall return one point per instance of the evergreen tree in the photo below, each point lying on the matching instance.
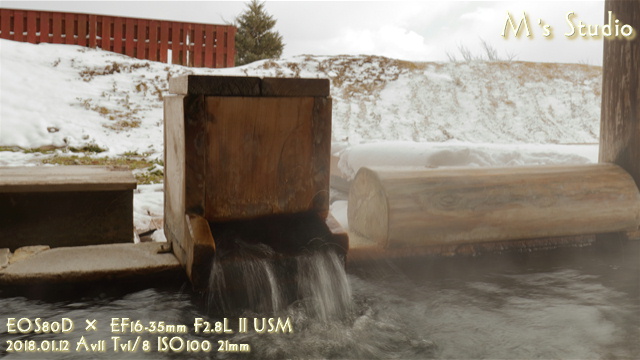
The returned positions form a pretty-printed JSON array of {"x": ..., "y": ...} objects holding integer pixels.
[{"x": 255, "y": 40}]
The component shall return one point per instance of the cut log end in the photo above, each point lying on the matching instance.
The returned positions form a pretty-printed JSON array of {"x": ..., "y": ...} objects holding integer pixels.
[{"x": 368, "y": 210}]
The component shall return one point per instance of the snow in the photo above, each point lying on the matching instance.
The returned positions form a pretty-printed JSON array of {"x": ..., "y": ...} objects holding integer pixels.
[
  {"x": 148, "y": 207},
  {"x": 385, "y": 111},
  {"x": 461, "y": 154}
]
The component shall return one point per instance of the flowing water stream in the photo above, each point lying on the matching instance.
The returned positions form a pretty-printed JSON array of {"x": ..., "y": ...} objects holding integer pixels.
[{"x": 577, "y": 303}]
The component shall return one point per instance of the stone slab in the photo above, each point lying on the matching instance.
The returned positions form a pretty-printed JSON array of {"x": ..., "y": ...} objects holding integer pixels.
[{"x": 91, "y": 263}]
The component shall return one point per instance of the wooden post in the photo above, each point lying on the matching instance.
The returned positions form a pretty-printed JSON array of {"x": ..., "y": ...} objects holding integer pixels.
[{"x": 620, "y": 121}]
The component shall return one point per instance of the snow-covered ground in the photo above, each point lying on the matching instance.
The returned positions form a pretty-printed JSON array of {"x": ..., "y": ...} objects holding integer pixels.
[{"x": 61, "y": 101}]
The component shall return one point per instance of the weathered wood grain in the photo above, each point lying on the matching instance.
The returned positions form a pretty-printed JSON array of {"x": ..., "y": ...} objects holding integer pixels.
[
  {"x": 175, "y": 228},
  {"x": 65, "y": 218},
  {"x": 65, "y": 178},
  {"x": 215, "y": 86},
  {"x": 261, "y": 157},
  {"x": 248, "y": 153},
  {"x": 248, "y": 86},
  {"x": 457, "y": 206},
  {"x": 65, "y": 205},
  {"x": 200, "y": 250},
  {"x": 620, "y": 121}
]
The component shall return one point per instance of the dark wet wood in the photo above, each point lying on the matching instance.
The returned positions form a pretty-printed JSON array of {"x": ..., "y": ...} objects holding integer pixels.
[
  {"x": 620, "y": 122},
  {"x": 65, "y": 218},
  {"x": 65, "y": 206}
]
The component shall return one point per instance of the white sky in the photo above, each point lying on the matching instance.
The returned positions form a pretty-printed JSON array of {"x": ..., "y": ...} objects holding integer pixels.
[{"x": 419, "y": 31}]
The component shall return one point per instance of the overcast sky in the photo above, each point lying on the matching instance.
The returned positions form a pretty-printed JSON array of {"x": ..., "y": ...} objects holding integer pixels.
[{"x": 420, "y": 31}]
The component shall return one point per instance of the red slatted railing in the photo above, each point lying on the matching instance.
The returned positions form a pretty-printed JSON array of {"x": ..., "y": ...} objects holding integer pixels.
[{"x": 190, "y": 44}]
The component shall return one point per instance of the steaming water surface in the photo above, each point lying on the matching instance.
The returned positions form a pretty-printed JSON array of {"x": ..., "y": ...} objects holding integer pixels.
[{"x": 562, "y": 304}]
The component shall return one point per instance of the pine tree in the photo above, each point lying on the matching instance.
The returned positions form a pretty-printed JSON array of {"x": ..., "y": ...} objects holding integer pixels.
[{"x": 255, "y": 40}]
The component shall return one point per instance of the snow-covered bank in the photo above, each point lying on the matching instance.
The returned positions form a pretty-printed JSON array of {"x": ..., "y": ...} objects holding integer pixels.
[
  {"x": 61, "y": 95},
  {"x": 61, "y": 100},
  {"x": 435, "y": 155}
]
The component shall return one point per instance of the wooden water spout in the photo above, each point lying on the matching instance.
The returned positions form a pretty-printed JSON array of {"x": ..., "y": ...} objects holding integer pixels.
[{"x": 244, "y": 149}]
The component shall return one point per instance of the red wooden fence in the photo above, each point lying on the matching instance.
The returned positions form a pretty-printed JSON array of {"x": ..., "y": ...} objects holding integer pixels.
[{"x": 190, "y": 44}]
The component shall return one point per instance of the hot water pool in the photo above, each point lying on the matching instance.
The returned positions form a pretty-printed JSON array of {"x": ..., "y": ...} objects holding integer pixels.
[{"x": 572, "y": 303}]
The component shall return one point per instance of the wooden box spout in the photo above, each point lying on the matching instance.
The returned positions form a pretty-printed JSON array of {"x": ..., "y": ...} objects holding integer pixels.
[{"x": 243, "y": 150}]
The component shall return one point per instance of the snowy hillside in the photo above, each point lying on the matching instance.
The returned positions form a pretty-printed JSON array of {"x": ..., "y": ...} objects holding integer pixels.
[
  {"x": 59, "y": 95},
  {"x": 62, "y": 104}
]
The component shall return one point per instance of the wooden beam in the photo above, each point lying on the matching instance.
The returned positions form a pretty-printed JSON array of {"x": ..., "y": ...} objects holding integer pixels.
[
  {"x": 620, "y": 121},
  {"x": 65, "y": 178}
]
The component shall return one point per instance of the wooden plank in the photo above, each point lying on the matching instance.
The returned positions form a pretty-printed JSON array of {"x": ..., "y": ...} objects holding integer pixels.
[
  {"x": 153, "y": 40},
  {"x": 129, "y": 43},
  {"x": 420, "y": 207},
  {"x": 215, "y": 86},
  {"x": 106, "y": 43},
  {"x": 186, "y": 44},
  {"x": 78, "y": 265},
  {"x": 93, "y": 33},
  {"x": 83, "y": 23},
  {"x": 269, "y": 141},
  {"x": 174, "y": 172},
  {"x": 230, "y": 47},
  {"x": 66, "y": 218},
  {"x": 32, "y": 30},
  {"x": 69, "y": 29},
  {"x": 176, "y": 47},
  {"x": 64, "y": 178},
  {"x": 201, "y": 249},
  {"x": 56, "y": 28},
  {"x": 198, "y": 41},
  {"x": 321, "y": 154},
  {"x": 196, "y": 146},
  {"x": 209, "y": 46},
  {"x": 141, "y": 39},
  {"x": 294, "y": 87},
  {"x": 620, "y": 117},
  {"x": 45, "y": 27},
  {"x": 5, "y": 25},
  {"x": 248, "y": 86},
  {"x": 164, "y": 41},
  {"x": 117, "y": 35},
  {"x": 18, "y": 25},
  {"x": 220, "y": 46}
]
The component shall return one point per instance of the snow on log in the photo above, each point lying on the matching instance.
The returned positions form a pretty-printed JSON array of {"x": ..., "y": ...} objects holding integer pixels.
[{"x": 419, "y": 207}]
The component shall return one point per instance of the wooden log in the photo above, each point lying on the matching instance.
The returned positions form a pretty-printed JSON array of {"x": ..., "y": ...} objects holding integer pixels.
[
  {"x": 620, "y": 121},
  {"x": 397, "y": 208}
]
